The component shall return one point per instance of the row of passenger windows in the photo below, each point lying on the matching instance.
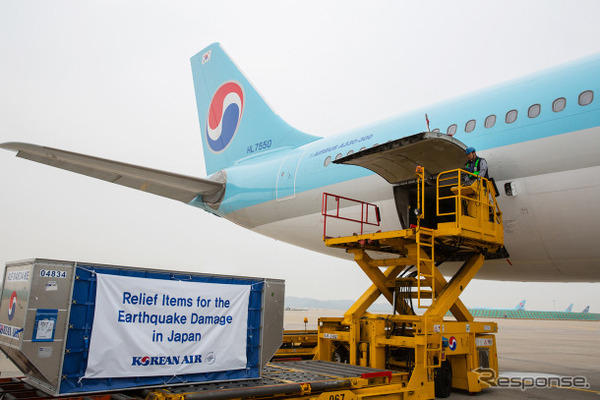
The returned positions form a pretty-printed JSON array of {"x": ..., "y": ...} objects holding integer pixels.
[{"x": 533, "y": 111}]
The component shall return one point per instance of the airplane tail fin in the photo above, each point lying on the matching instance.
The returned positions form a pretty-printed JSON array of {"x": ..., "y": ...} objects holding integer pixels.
[
  {"x": 521, "y": 305},
  {"x": 586, "y": 310},
  {"x": 235, "y": 120},
  {"x": 570, "y": 308}
]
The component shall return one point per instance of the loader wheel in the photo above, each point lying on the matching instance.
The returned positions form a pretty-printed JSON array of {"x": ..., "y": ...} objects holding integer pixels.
[{"x": 443, "y": 380}]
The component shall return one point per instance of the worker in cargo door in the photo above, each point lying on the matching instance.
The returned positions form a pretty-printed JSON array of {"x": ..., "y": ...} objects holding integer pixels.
[{"x": 477, "y": 167}]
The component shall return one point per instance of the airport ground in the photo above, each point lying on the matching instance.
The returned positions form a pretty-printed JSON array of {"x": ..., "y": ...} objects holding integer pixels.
[{"x": 526, "y": 348}]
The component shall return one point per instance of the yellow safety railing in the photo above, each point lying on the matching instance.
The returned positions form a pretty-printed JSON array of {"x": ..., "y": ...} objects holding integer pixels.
[{"x": 476, "y": 199}]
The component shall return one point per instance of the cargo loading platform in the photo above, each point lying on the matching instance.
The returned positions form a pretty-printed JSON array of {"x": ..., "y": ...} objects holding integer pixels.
[{"x": 455, "y": 221}]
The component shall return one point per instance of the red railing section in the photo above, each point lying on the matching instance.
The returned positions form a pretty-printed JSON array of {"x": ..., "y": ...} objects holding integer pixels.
[{"x": 369, "y": 213}]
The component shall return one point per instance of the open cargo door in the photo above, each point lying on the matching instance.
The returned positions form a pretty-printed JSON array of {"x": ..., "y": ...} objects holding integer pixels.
[{"x": 395, "y": 161}]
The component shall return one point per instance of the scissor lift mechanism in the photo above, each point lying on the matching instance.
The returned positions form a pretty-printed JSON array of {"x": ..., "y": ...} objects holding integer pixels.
[{"x": 435, "y": 353}]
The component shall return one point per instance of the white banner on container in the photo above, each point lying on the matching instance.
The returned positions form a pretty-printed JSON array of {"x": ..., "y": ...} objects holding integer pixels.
[{"x": 151, "y": 327}]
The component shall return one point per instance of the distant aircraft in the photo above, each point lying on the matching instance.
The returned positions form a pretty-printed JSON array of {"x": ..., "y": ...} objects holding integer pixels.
[
  {"x": 521, "y": 305},
  {"x": 586, "y": 310},
  {"x": 518, "y": 307},
  {"x": 570, "y": 308},
  {"x": 519, "y": 312},
  {"x": 540, "y": 136}
]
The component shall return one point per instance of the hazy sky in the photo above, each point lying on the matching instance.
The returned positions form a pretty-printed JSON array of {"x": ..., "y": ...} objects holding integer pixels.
[{"x": 113, "y": 79}]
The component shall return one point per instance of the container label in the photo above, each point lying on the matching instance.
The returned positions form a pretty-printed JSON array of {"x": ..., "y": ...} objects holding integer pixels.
[
  {"x": 17, "y": 276},
  {"x": 44, "y": 326},
  {"x": 44, "y": 352},
  {"x": 479, "y": 342},
  {"x": 10, "y": 331},
  {"x": 159, "y": 327},
  {"x": 15, "y": 296},
  {"x": 52, "y": 273}
]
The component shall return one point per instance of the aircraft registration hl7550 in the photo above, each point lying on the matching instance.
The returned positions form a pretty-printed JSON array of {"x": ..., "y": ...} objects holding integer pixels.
[{"x": 540, "y": 136}]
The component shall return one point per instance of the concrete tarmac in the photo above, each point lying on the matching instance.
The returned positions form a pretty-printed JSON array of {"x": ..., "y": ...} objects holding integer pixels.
[{"x": 526, "y": 348}]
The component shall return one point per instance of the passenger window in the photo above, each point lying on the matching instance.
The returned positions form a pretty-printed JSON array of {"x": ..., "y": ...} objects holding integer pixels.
[
  {"x": 362, "y": 148},
  {"x": 327, "y": 161},
  {"x": 470, "y": 126},
  {"x": 559, "y": 104},
  {"x": 586, "y": 98},
  {"x": 338, "y": 156},
  {"x": 436, "y": 130},
  {"x": 451, "y": 130},
  {"x": 490, "y": 121},
  {"x": 511, "y": 116},
  {"x": 534, "y": 111},
  {"x": 350, "y": 152}
]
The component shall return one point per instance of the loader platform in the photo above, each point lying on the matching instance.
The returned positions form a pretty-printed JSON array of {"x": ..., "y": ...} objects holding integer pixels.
[{"x": 437, "y": 353}]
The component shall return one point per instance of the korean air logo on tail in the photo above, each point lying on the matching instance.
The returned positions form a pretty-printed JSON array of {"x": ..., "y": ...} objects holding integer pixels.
[
  {"x": 12, "y": 306},
  {"x": 224, "y": 115}
]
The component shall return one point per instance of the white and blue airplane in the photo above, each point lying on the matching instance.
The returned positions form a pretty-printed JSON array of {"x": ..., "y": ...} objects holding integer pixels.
[
  {"x": 518, "y": 307},
  {"x": 540, "y": 136},
  {"x": 586, "y": 310}
]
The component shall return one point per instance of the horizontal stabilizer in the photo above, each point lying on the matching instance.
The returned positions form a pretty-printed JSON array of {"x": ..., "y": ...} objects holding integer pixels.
[{"x": 165, "y": 184}]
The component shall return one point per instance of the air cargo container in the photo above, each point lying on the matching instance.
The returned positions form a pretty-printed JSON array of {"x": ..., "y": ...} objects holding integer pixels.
[{"x": 78, "y": 327}]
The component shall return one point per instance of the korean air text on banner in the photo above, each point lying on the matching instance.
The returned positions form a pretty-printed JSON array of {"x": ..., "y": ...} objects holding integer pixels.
[{"x": 153, "y": 327}]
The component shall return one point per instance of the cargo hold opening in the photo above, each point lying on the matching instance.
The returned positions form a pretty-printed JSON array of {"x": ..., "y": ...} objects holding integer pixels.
[{"x": 396, "y": 160}]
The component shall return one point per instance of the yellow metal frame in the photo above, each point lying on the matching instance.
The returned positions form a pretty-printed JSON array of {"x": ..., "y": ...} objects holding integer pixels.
[
  {"x": 475, "y": 223},
  {"x": 298, "y": 344},
  {"x": 476, "y": 215}
]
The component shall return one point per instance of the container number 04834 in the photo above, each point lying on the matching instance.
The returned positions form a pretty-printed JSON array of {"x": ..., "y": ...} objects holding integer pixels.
[{"x": 52, "y": 273}]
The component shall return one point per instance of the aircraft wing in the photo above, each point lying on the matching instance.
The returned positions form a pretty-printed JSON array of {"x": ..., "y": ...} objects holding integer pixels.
[{"x": 165, "y": 184}]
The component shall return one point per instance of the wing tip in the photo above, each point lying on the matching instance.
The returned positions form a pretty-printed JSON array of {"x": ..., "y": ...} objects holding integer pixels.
[
  {"x": 9, "y": 146},
  {"x": 19, "y": 146}
]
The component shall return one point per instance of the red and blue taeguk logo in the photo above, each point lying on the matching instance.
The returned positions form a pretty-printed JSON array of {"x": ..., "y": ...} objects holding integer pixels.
[
  {"x": 224, "y": 115},
  {"x": 452, "y": 343},
  {"x": 12, "y": 306}
]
